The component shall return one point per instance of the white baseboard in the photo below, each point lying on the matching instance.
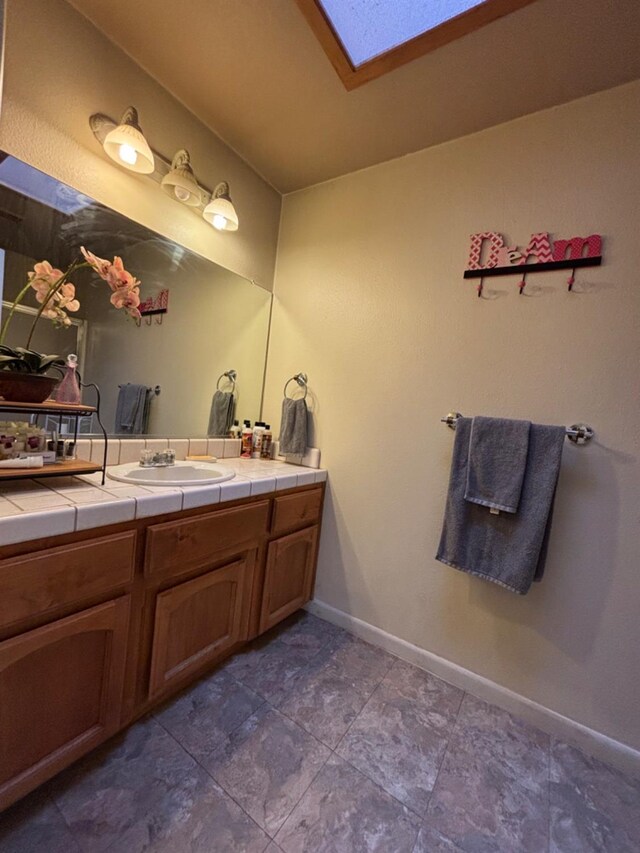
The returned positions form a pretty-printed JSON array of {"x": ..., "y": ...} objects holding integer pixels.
[{"x": 592, "y": 742}]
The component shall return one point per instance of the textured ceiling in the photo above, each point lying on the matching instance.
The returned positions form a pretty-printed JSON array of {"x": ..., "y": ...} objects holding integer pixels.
[{"x": 254, "y": 73}]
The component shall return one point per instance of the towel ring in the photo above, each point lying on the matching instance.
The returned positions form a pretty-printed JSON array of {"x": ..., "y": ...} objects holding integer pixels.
[
  {"x": 231, "y": 375},
  {"x": 301, "y": 379}
]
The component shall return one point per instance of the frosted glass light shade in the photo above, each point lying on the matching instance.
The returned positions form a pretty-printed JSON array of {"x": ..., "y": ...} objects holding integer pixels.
[
  {"x": 180, "y": 183},
  {"x": 126, "y": 145},
  {"x": 220, "y": 211}
]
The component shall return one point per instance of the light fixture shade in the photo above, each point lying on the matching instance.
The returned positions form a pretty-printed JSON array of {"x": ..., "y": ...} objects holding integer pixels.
[
  {"x": 126, "y": 145},
  {"x": 220, "y": 211},
  {"x": 180, "y": 183}
]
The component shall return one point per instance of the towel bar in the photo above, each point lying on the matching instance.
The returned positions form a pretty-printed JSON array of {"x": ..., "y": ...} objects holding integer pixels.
[{"x": 577, "y": 433}]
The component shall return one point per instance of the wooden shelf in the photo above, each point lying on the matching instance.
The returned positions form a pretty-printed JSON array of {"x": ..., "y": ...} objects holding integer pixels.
[
  {"x": 48, "y": 407},
  {"x": 69, "y": 468}
]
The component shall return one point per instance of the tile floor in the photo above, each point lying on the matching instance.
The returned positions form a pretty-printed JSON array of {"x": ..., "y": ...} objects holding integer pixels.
[{"x": 313, "y": 741}]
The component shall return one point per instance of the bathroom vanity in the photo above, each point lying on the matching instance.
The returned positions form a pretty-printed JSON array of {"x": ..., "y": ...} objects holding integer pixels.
[{"x": 99, "y": 626}]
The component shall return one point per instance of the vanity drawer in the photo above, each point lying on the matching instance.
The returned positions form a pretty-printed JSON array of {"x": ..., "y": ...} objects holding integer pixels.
[
  {"x": 45, "y": 581},
  {"x": 177, "y": 546},
  {"x": 293, "y": 511}
]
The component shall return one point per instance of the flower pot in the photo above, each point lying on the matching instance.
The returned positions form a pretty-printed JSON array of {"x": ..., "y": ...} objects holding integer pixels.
[{"x": 26, "y": 387}]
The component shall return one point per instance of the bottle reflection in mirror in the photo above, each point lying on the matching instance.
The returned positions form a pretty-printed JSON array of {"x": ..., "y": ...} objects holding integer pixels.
[{"x": 68, "y": 391}]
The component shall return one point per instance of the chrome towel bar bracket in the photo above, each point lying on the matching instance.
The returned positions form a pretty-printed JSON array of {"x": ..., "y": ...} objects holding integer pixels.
[{"x": 577, "y": 433}]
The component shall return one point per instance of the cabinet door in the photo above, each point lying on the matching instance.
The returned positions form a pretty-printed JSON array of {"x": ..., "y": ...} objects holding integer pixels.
[
  {"x": 288, "y": 582},
  {"x": 198, "y": 621},
  {"x": 60, "y": 694}
]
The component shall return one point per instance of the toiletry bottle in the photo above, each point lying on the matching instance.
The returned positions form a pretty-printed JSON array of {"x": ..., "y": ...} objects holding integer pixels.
[
  {"x": 68, "y": 391},
  {"x": 235, "y": 432},
  {"x": 267, "y": 439},
  {"x": 258, "y": 432},
  {"x": 247, "y": 440}
]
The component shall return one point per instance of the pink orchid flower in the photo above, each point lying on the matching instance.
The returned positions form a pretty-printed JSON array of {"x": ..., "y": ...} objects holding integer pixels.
[{"x": 100, "y": 265}]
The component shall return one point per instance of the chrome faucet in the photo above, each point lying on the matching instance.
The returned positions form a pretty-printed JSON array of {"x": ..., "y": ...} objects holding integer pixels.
[{"x": 157, "y": 458}]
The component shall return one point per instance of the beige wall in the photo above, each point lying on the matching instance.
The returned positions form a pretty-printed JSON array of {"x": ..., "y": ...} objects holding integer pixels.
[
  {"x": 370, "y": 301},
  {"x": 59, "y": 70}
]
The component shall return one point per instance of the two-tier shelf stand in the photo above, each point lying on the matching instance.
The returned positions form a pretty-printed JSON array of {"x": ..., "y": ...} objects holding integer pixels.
[{"x": 65, "y": 467}]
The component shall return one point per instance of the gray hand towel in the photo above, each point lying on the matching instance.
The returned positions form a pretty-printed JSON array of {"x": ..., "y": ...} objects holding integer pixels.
[
  {"x": 508, "y": 549},
  {"x": 293, "y": 428},
  {"x": 497, "y": 461},
  {"x": 221, "y": 415},
  {"x": 131, "y": 408}
]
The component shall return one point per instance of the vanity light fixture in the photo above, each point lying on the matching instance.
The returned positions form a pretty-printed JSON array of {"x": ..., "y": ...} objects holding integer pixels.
[
  {"x": 127, "y": 146},
  {"x": 220, "y": 211},
  {"x": 180, "y": 183}
]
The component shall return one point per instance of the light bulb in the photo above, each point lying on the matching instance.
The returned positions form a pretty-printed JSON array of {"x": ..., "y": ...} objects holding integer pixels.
[
  {"x": 219, "y": 222},
  {"x": 128, "y": 154},
  {"x": 181, "y": 194}
]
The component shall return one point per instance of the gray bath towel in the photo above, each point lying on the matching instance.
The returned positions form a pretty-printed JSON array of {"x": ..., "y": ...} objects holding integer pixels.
[
  {"x": 221, "y": 415},
  {"x": 293, "y": 428},
  {"x": 497, "y": 461},
  {"x": 131, "y": 409},
  {"x": 508, "y": 549}
]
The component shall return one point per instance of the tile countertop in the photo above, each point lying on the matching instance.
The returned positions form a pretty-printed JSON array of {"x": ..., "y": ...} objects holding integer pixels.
[{"x": 33, "y": 509}]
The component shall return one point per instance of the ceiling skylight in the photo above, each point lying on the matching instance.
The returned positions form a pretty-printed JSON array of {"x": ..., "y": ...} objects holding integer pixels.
[
  {"x": 364, "y": 39},
  {"x": 368, "y": 28}
]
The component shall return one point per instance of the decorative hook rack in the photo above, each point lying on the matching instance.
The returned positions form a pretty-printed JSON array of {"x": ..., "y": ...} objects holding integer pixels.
[
  {"x": 301, "y": 379},
  {"x": 151, "y": 307},
  {"x": 577, "y": 433},
  {"x": 501, "y": 259}
]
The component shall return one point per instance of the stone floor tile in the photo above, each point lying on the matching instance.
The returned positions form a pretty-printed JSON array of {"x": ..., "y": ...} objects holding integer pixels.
[
  {"x": 34, "y": 825},
  {"x": 414, "y": 692},
  {"x": 430, "y": 841},
  {"x": 201, "y": 717},
  {"x": 492, "y": 792},
  {"x": 306, "y": 632},
  {"x": 400, "y": 737},
  {"x": 265, "y": 667},
  {"x": 521, "y": 750},
  {"x": 266, "y": 765},
  {"x": 351, "y": 657},
  {"x": 323, "y": 702},
  {"x": 594, "y": 808},
  {"x": 132, "y": 778},
  {"x": 202, "y": 820},
  {"x": 344, "y": 812}
]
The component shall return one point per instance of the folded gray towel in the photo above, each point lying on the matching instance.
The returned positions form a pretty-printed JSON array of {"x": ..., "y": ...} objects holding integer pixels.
[
  {"x": 131, "y": 409},
  {"x": 508, "y": 549},
  {"x": 221, "y": 415},
  {"x": 293, "y": 427},
  {"x": 497, "y": 461}
]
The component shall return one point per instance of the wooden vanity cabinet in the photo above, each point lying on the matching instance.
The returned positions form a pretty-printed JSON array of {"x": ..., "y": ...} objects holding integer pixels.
[
  {"x": 97, "y": 630},
  {"x": 60, "y": 694},
  {"x": 198, "y": 622},
  {"x": 289, "y": 576}
]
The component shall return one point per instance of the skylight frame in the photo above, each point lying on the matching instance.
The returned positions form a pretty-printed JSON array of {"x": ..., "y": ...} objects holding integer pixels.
[{"x": 353, "y": 76}]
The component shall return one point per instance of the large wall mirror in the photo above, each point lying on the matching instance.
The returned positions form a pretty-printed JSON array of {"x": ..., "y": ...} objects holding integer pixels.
[{"x": 215, "y": 322}]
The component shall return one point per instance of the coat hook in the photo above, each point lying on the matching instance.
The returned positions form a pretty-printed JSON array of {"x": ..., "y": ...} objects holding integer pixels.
[
  {"x": 480, "y": 287},
  {"x": 571, "y": 280},
  {"x": 522, "y": 284}
]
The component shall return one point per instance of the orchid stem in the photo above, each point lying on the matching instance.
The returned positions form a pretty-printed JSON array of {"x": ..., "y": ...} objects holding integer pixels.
[{"x": 16, "y": 302}]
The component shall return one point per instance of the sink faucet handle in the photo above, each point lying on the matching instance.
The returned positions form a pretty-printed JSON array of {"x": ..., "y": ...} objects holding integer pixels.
[
  {"x": 147, "y": 458},
  {"x": 169, "y": 456}
]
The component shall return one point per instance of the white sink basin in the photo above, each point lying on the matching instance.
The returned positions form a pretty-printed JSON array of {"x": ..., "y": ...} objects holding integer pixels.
[{"x": 180, "y": 474}]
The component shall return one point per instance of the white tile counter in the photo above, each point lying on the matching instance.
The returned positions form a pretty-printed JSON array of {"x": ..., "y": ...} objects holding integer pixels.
[{"x": 33, "y": 509}]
